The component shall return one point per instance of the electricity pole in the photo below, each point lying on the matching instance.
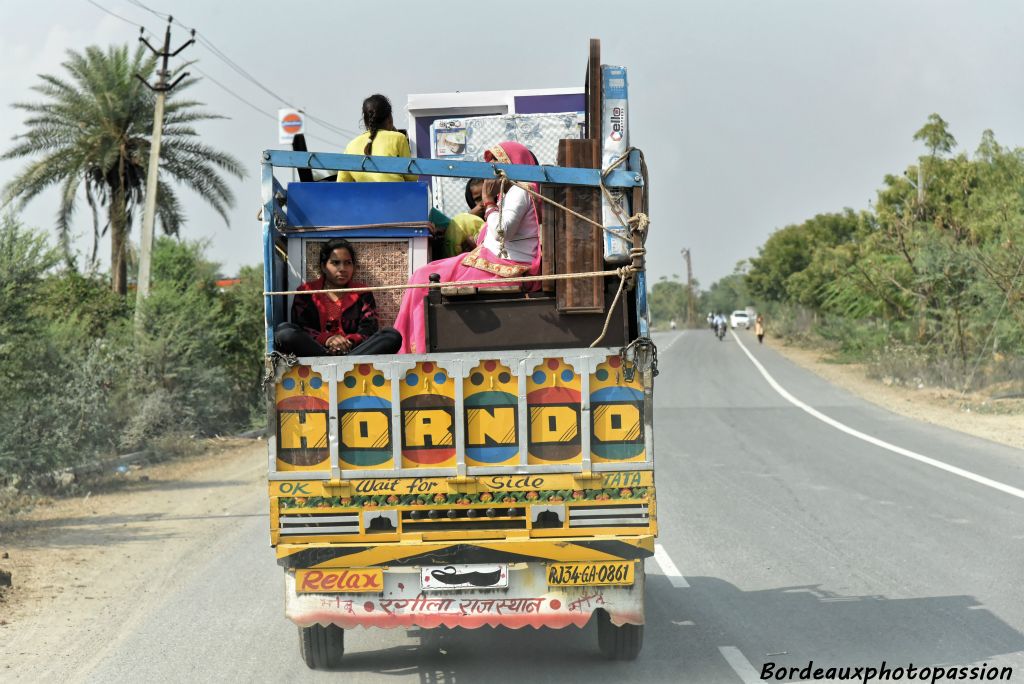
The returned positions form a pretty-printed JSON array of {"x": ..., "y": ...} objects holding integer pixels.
[
  {"x": 161, "y": 89},
  {"x": 691, "y": 298}
]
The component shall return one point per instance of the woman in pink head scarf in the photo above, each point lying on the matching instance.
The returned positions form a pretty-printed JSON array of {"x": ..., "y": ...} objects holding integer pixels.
[{"x": 518, "y": 254}]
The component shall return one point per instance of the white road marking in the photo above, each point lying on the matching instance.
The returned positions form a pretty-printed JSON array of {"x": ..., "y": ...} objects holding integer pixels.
[
  {"x": 667, "y": 346},
  {"x": 927, "y": 460},
  {"x": 740, "y": 665},
  {"x": 668, "y": 568}
]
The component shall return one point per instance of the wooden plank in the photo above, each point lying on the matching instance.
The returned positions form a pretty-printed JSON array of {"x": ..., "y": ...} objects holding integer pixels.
[
  {"x": 640, "y": 203},
  {"x": 593, "y": 89},
  {"x": 548, "y": 255},
  {"x": 578, "y": 244}
]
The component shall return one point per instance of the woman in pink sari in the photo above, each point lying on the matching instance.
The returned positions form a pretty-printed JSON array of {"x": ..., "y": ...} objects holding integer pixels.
[{"x": 518, "y": 254}]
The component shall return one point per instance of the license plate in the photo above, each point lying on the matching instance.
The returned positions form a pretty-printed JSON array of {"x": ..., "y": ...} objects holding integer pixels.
[
  {"x": 574, "y": 574},
  {"x": 443, "y": 577}
]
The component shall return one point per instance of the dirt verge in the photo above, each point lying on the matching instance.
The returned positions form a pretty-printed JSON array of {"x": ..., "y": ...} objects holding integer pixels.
[
  {"x": 74, "y": 560},
  {"x": 997, "y": 420}
]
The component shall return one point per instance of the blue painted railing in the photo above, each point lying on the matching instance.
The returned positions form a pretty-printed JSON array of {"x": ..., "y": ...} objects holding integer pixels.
[{"x": 557, "y": 175}]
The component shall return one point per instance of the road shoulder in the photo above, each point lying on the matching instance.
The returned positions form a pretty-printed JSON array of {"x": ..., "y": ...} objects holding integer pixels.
[
  {"x": 1000, "y": 422},
  {"x": 75, "y": 560}
]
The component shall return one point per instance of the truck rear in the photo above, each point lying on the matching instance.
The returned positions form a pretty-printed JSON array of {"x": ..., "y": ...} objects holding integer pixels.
[{"x": 506, "y": 476}]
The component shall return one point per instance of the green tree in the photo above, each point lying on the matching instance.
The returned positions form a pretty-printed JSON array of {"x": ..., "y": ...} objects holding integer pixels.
[
  {"x": 787, "y": 251},
  {"x": 241, "y": 309},
  {"x": 936, "y": 136},
  {"x": 926, "y": 284},
  {"x": 77, "y": 384},
  {"x": 55, "y": 382},
  {"x": 92, "y": 130},
  {"x": 667, "y": 301},
  {"x": 727, "y": 294},
  {"x": 792, "y": 264},
  {"x": 197, "y": 360}
]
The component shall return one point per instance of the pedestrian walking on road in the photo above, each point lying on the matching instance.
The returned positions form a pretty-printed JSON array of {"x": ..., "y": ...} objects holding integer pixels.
[{"x": 759, "y": 328}]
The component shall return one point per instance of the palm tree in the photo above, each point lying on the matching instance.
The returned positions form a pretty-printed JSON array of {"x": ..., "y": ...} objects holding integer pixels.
[{"x": 93, "y": 130}]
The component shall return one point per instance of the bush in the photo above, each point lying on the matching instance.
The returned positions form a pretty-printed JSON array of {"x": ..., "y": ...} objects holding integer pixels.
[{"x": 79, "y": 383}]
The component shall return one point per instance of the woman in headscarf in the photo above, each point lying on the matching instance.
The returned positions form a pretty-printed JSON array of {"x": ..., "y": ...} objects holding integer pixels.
[{"x": 508, "y": 246}]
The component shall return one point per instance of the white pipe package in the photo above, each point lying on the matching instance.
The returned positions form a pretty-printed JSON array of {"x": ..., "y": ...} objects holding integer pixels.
[{"x": 614, "y": 143}]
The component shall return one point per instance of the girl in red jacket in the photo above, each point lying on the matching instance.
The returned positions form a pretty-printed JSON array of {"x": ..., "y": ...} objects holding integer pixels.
[{"x": 324, "y": 323}]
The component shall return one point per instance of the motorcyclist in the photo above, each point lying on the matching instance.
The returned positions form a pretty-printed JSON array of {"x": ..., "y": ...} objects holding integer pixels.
[{"x": 719, "y": 325}]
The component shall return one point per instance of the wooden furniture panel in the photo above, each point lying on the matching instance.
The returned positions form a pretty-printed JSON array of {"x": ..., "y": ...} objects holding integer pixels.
[
  {"x": 483, "y": 322},
  {"x": 577, "y": 245}
]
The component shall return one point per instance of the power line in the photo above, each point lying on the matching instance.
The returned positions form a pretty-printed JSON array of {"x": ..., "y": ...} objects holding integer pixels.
[
  {"x": 159, "y": 15},
  {"x": 114, "y": 14},
  {"x": 255, "y": 108},
  {"x": 231, "y": 63},
  {"x": 155, "y": 13},
  {"x": 217, "y": 52},
  {"x": 220, "y": 85}
]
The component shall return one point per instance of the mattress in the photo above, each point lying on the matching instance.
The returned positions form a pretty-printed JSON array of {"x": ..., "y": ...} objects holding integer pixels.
[{"x": 467, "y": 138}]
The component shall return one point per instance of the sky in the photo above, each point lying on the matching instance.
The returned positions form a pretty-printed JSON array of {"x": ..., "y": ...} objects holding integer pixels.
[{"x": 753, "y": 115}]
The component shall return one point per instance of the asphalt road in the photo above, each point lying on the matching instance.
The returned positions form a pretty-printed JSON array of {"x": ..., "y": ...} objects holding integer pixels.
[{"x": 796, "y": 542}]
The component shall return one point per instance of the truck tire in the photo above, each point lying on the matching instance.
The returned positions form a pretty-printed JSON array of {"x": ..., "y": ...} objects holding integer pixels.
[
  {"x": 322, "y": 647},
  {"x": 618, "y": 642}
]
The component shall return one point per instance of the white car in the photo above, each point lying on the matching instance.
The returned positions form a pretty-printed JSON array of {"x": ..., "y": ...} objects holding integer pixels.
[{"x": 739, "y": 319}]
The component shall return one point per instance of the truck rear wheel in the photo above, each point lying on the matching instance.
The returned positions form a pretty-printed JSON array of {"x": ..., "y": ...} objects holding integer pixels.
[
  {"x": 322, "y": 647},
  {"x": 618, "y": 642}
]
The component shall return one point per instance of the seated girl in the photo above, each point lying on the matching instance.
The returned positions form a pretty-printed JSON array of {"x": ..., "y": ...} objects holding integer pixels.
[
  {"x": 335, "y": 322},
  {"x": 508, "y": 246},
  {"x": 461, "y": 230},
  {"x": 381, "y": 138}
]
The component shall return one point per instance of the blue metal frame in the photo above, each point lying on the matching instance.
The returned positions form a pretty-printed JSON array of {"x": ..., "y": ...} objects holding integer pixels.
[
  {"x": 269, "y": 207},
  {"x": 635, "y": 163},
  {"x": 629, "y": 177},
  {"x": 557, "y": 175},
  {"x": 363, "y": 233}
]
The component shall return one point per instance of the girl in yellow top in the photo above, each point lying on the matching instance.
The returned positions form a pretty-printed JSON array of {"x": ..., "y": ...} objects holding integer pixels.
[{"x": 381, "y": 138}]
